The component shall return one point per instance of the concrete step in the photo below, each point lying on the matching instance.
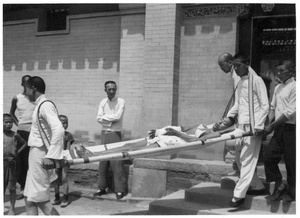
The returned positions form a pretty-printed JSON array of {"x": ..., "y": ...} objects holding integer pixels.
[
  {"x": 229, "y": 182},
  {"x": 175, "y": 204},
  {"x": 212, "y": 193}
]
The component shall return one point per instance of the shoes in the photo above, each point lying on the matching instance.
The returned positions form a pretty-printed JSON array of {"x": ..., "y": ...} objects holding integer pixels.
[
  {"x": 57, "y": 200},
  {"x": 290, "y": 195},
  {"x": 20, "y": 196},
  {"x": 237, "y": 203},
  {"x": 277, "y": 194},
  {"x": 256, "y": 192},
  {"x": 64, "y": 201},
  {"x": 287, "y": 198},
  {"x": 100, "y": 192},
  {"x": 119, "y": 195}
]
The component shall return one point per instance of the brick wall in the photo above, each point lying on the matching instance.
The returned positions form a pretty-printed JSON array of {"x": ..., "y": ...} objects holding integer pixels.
[
  {"x": 159, "y": 65},
  {"x": 131, "y": 72},
  {"x": 204, "y": 88},
  {"x": 74, "y": 67}
]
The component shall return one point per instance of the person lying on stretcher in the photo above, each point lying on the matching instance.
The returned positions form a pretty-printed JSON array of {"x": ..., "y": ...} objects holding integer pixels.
[{"x": 169, "y": 136}]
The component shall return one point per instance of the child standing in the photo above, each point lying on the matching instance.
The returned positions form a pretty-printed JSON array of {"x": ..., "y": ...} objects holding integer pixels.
[
  {"x": 63, "y": 172},
  {"x": 13, "y": 144}
]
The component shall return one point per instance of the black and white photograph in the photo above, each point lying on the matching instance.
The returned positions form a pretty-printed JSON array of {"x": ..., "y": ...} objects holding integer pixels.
[{"x": 149, "y": 108}]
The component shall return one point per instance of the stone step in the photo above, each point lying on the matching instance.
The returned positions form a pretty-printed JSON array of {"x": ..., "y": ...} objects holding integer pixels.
[
  {"x": 212, "y": 193},
  {"x": 175, "y": 204},
  {"x": 229, "y": 182}
]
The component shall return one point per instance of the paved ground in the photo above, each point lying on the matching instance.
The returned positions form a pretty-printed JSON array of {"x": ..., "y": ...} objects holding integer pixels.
[{"x": 82, "y": 203}]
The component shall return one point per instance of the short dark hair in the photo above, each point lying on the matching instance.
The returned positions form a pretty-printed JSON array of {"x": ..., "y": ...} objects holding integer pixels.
[
  {"x": 38, "y": 83},
  {"x": 7, "y": 115},
  {"x": 243, "y": 57},
  {"x": 290, "y": 64},
  {"x": 63, "y": 116},
  {"x": 110, "y": 81},
  {"x": 24, "y": 79}
]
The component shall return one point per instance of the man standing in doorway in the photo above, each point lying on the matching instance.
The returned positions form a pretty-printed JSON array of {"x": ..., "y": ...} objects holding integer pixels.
[
  {"x": 21, "y": 110},
  {"x": 110, "y": 116}
]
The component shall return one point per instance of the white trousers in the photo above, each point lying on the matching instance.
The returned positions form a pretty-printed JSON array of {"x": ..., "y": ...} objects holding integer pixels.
[{"x": 248, "y": 149}]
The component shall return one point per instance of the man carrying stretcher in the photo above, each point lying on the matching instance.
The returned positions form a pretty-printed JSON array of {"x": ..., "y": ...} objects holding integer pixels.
[{"x": 168, "y": 136}]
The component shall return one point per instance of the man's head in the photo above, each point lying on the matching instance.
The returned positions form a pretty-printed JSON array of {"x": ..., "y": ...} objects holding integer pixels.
[
  {"x": 7, "y": 122},
  {"x": 35, "y": 86},
  {"x": 285, "y": 70},
  {"x": 241, "y": 63},
  {"x": 24, "y": 80},
  {"x": 224, "y": 62},
  {"x": 110, "y": 87},
  {"x": 64, "y": 121}
]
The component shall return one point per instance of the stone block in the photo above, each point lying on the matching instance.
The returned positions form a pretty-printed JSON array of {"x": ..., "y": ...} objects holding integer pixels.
[{"x": 148, "y": 183}]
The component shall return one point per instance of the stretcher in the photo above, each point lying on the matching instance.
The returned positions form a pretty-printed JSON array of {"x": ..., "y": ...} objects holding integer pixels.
[{"x": 93, "y": 153}]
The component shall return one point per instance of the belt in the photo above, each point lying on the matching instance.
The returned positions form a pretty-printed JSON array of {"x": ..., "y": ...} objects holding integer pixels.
[{"x": 108, "y": 131}]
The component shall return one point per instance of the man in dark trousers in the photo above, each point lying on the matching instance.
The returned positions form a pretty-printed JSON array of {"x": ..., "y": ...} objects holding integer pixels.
[
  {"x": 21, "y": 110},
  {"x": 110, "y": 116},
  {"x": 282, "y": 118}
]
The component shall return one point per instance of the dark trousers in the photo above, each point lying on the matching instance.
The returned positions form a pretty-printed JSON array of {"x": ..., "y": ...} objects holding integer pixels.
[
  {"x": 116, "y": 166},
  {"x": 22, "y": 161},
  {"x": 282, "y": 144}
]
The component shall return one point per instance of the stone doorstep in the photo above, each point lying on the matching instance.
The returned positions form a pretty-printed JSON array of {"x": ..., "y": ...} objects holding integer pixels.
[
  {"x": 182, "y": 207},
  {"x": 209, "y": 199},
  {"x": 212, "y": 193}
]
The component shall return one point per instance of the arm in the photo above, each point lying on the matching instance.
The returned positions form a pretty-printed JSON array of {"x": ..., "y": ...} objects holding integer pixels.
[
  {"x": 184, "y": 136},
  {"x": 13, "y": 108},
  {"x": 21, "y": 143},
  {"x": 117, "y": 115},
  {"x": 262, "y": 96},
  {"x": 70, "y": 141},
  {"x": 100, "y": 115},
  {"x": 280, "y": 120},
  {"x": 288, "y": 113},
  {"x": 271, "y": 115},
  {"x": 233, "y": 112},
  {"x": 49, "y": 113}
]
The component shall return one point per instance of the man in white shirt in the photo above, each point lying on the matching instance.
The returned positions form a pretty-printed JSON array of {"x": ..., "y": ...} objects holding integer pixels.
[
  {"x": 110, "y": 116},
  {"x": 21, "y": 110},
  {"x": 225, "y": 62},
  {"x": 46, "y": 145},
  {"x": 282, "y": 116},
  {"x": 250, "y": 146}
]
